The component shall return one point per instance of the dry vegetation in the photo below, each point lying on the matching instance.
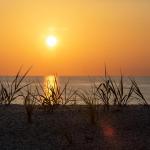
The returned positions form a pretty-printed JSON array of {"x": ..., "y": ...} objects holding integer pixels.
[
  {"x": 10, "y": 91},
  {"x": 107, "y": 95}
]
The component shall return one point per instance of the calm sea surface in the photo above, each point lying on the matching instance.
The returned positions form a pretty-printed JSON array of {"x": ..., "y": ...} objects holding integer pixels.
[{"x": 81, "y": 83}]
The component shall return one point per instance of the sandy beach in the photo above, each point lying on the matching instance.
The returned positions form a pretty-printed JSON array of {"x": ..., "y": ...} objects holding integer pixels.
[
  {"x": 69, "y": 127},
  {"x": 74, "y": 75}
]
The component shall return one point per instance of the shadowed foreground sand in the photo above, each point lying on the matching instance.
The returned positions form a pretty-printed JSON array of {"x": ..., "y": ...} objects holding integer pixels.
[{"x": 69, "y": 128}]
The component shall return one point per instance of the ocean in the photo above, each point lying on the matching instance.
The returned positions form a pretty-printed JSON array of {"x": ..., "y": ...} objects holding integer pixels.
[{"x": 79, "y": 83}]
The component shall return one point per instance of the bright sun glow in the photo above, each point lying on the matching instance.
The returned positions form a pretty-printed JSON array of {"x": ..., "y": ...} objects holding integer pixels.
[{"x": 51, "y": 41}]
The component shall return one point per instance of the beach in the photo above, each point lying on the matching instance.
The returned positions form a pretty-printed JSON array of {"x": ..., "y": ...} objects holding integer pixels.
[
  {"x": 69, "y": 127},
  {"x": 74, "y": 75}
]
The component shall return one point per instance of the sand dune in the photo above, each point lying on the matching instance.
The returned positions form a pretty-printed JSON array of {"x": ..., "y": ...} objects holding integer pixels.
[{"x": 69, "y": 128}]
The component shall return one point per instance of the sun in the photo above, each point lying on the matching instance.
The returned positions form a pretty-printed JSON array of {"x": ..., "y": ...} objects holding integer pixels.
[{"x": 51, "y": 41}]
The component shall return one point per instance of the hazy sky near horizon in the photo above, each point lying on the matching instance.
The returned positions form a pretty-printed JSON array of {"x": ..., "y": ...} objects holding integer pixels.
[{"x": 90, "y": 33}]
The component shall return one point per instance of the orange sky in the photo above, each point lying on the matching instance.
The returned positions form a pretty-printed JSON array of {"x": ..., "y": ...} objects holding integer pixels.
[{"x": 91, "y": 33}]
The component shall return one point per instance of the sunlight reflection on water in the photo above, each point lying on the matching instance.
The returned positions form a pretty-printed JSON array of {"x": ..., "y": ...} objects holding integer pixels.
[
  {"x": 76, "y": 83},
  {"x": 50, "y": 84}
]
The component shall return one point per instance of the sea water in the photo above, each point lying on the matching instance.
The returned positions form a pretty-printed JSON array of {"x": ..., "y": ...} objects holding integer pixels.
[{"x": 79, "y": 83}]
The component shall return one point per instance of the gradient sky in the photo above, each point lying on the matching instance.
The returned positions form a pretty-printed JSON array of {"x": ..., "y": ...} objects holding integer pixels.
[{"x": 91, "y": 33}]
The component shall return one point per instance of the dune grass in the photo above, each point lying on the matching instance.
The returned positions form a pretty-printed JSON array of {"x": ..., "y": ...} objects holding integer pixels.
[
  {"x": 103, "y": 93},
  {"x": 121, "y": 97},
  {"x": 111, "y": 92},
  {"x": 54, "y": 95},
  {"x": 49, "y": 96},
  {"x": 89, "y": 98},
  {"x": 138, "y": 92},
  {"x": 29, "y": 103},
  {"x": 9, "y": 91},
  {"x": 107, "y": 92}
]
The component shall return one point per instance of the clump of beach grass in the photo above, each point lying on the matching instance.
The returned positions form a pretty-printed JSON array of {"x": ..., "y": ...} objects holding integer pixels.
[
  {"x": 89, "y": 98},
  {"x": 29, "y": 103},
  {"x": 138, "y": 92},
  {"x": 110, "y": 92},
  {"x": 69, "y": 94},
  {"x": 121, "y": 96},
  {"x": 103, "y": 91},
  {"x": 10, "y": 91},
  {"x": 52, "y": 95},
  {"x": 44, "y": 96}
]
